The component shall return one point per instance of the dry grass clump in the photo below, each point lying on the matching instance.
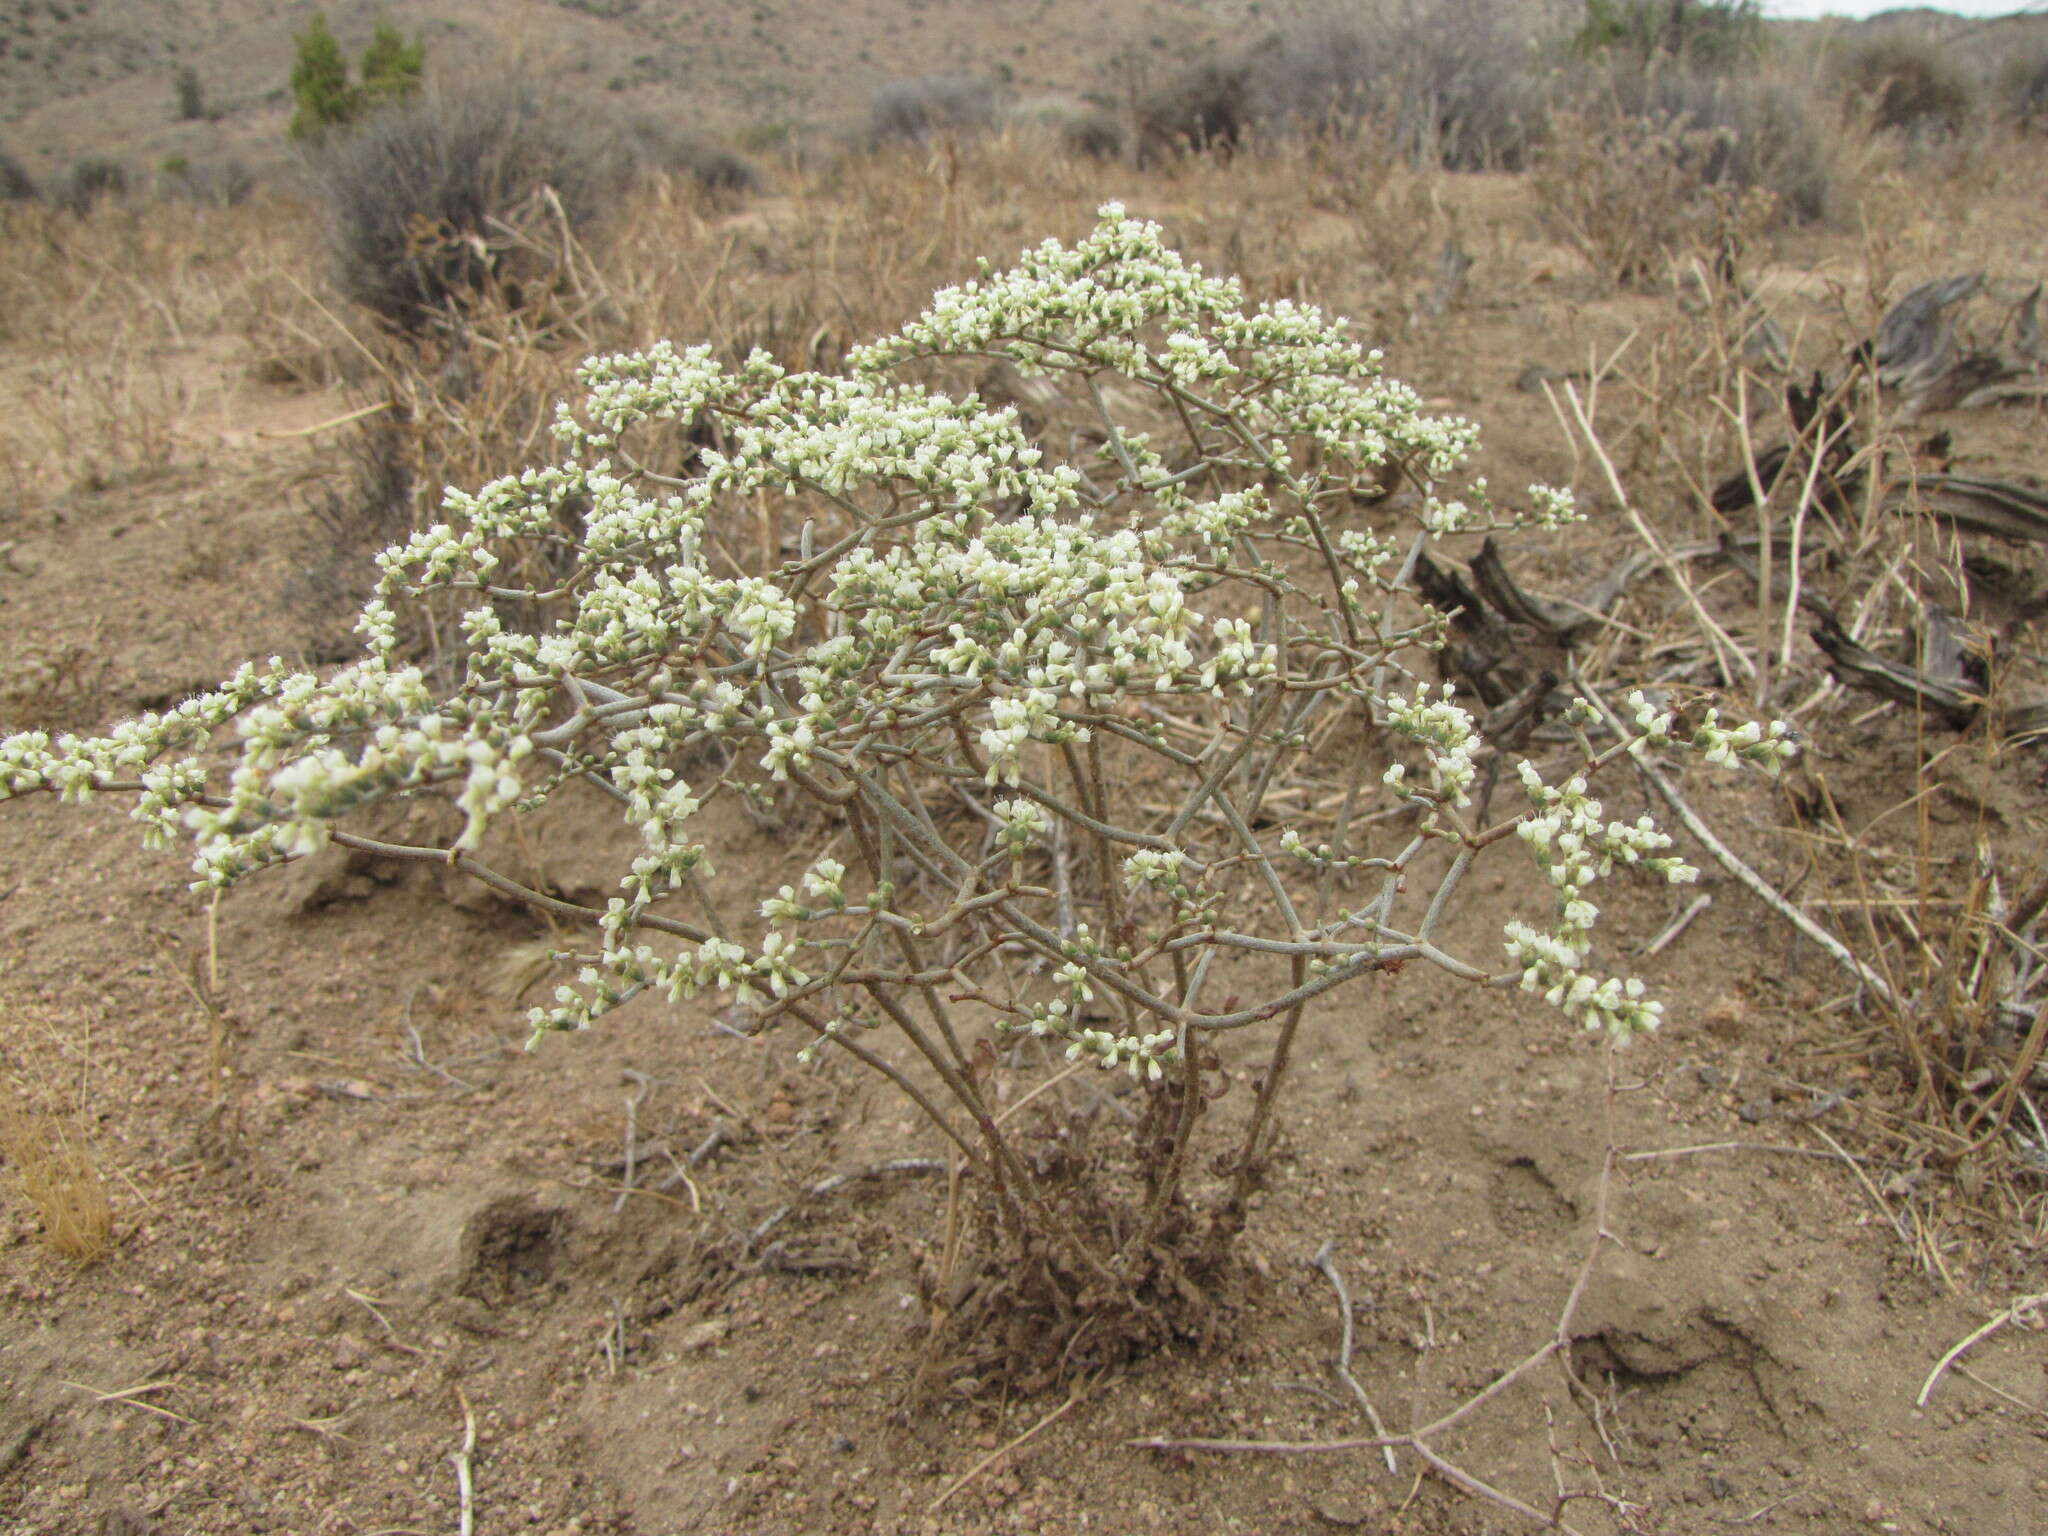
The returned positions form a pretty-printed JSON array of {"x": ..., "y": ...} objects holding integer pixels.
[
  {"x": 1907, "y": 84},
  {"x": 2023, "y": 90},
  {"x": 1095, "y": 135},
  {"x": 1752, "y": 133},
  {"x": 1659, "y": 162},
  {"x": 16, "y": 185},
  {"x": 1951, "y": 921},
  {"x": 930, "y": 107},
  {"x": 49, "y": 1156},
  {"x": 1207, "y": 106},
  {"x": 1802, "y": 518},
  {"x": 655, "y": 148},
  {"x": 100, "y": 410},
  {"x": 423, "y": 200},
  {"x": 110, "y": 310},
  {"x": 217, "y": 184},
  {"x": 59, "y": 1177},
  {"x": 1456, "y": 83},
  {"x": 88, "y": 183},
  {"x": 1629, "y": 197}
]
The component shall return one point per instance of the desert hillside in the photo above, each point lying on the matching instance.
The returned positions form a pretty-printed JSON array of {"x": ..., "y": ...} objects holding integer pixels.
[{"x": 98, "y": 76}]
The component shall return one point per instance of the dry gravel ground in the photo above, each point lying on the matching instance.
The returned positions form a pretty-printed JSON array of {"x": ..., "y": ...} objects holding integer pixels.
[{"x": 355, "y": 1220}]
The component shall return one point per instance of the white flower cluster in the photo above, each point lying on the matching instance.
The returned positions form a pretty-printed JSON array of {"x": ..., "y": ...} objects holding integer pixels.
[
  {"x": 1146, "y": 1056},
  {"x": 1768, "y": 747},
  {"x": 1575, "y": 847},
  {"x": 823, "y": 892},
  {"x": 1549, "y": 507},
  {"x": 1318, "y": 856},
  {"x": 1024, "y": 823},
  {"x": 1448, "y": 738},
  {"x": 961, "y": 617}
]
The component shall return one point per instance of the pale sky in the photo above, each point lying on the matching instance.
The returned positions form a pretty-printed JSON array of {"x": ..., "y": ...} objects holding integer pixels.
[{"x": 1872, "y": 7}]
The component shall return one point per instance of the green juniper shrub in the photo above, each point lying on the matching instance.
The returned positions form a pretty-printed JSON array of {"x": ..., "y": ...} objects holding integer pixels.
[
  {"x": 190, "y": 95},
  {"x": 392, "y": 67},
  {"x": 327, "y": 99},
  {"x": 324, "y": 97}
]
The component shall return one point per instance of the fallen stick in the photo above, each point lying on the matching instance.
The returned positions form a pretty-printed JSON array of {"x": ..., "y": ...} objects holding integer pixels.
[
  {"x": 1323, "y": 1262},
  {"x": 1679, "y": 924},
  {"x": 1003, "y": 1450},
  {"x": 1963, "y": 1346},
  {"x": 464, "y": 1482}
]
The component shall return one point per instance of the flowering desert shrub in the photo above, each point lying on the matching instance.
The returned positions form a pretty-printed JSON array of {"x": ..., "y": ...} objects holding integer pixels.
[{"x": 1041, "y": 710}]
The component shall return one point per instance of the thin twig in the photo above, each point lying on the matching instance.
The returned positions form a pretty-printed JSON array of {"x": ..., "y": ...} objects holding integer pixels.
[
  {"x": 1323, "y": 1262},
  {"x": 391, "y": 1333},
  {"x": 1677, "y": 926},
  {"x": 1963, "y": 1346},
  {"x": 1997, "y": 1391},
  {"x": 642, "y": 1083},
  {"x": 1757, "y": 1514},
  {"x": 1740, "y": 1146},
  {"x": 1723, "y": 644},
  {"x": 333, "y": 422},
  {"x": 460, "y": 1458},
  {"x": 1001, "y": 1451},
  {"x": 1870, "y": 1188},
  {"x": 132, "y": 1397}
]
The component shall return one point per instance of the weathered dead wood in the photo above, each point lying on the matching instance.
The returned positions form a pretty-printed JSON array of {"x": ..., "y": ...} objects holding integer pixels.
[
  {"x": 1916, "y": 351},
  {"x": 1916, "y": 339},
  {"x": 1804, "y": 405},
  {"x": 1554, "y": 622},
  {"x": 1948, "y": 685},
  {"x": 1859, "y": 667},
  {"x": 1975, "y": 505}
]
